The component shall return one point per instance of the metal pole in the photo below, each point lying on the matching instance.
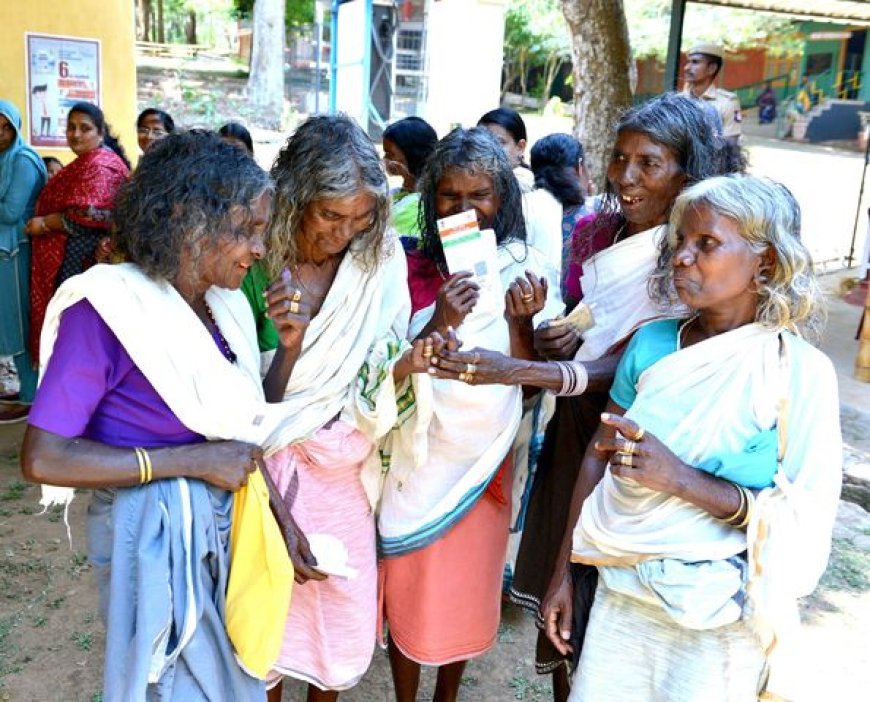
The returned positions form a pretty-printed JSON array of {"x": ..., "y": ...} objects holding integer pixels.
[
  {"x": 672, "y": 64},
  {"x": 333, "y": 57},
  {"x": 318, "y": 27},
  {"x": 860, "y": 197}
]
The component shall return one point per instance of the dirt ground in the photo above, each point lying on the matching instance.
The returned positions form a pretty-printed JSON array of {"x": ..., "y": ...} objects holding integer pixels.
[{"x": 51, "y": 637}]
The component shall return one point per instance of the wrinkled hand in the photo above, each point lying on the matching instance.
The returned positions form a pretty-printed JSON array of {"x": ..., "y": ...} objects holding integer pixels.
[
  {"x": 225, "y": 464},
  {"x": 304, "y": 562},
  {"x": 287, "y": 308},
  {"x": 646, "y": 460},
  {"x": 556, "y": 342},
  {"x": 424, "y": 352},
  {"x": 456, "y": 298},
  {"x": 476, "y": 367},
  {"x": 525, "y": 297},
  {"x": 557, "y": 609}
]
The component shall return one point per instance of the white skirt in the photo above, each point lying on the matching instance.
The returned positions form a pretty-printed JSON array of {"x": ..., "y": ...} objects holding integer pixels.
[{"x": 634, "y": 652}]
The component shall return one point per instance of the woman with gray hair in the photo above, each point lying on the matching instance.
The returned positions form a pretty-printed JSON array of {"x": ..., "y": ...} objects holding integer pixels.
[
  {"x": 150, "y": 396},
  {"x": 446, "y": 504},
  {"x": 707, "y": 497},
  {"x": 661, "y": 147},
  {"x": 339, "y": 373}
]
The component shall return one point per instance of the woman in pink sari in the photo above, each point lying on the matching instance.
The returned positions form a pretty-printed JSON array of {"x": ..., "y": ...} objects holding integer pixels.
[{"x": 74, "y": 211}]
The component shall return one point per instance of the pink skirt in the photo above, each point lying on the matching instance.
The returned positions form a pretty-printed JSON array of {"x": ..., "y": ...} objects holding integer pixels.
[
  {"x": 442, "y": 603},
  {"x": 331, "y": 627}
]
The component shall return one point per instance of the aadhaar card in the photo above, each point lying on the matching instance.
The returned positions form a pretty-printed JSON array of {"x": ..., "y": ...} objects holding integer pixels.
[{"x": 467, "y": 248}]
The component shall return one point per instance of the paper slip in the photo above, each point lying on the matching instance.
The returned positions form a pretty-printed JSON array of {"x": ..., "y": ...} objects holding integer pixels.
[
  {"x": 581, "y": 318},
  {"x": 467, "y": 248}
]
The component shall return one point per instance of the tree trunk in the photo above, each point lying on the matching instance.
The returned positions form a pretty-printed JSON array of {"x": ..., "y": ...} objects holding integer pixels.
[
  {"x": 161, "y": 25},
  {"x": 266, "y": 81},
  {"x": 143, "y": 20},
  {"x": 551, "y": 70},
  {"x": 602, "y": 65},
  {"x": 190, "y": 27}
]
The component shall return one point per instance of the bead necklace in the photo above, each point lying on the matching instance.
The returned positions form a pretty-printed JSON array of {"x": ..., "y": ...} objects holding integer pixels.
[{"x": 224, "y": 344}]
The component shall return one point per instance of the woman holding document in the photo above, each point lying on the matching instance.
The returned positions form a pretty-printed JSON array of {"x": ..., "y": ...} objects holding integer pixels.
[{"x": 445, "y": 504}]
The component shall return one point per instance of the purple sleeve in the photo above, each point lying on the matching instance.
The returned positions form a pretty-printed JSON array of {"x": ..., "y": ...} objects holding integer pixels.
[{"x": 79, "y": 373}]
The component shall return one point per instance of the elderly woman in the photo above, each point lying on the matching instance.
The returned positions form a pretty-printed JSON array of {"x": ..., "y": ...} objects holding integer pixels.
[
  {"x": 340, "y": 277},
  {"x": 709, "y": 492},
  {"x": 445, "y": 508},
  {"x": 143, "y": 361},
  {"x": 22, "y": 175},
  {"x": 407, "y": 145},
  {"x": 74, "y": 210},
  {"x": 661, "y": 146}
]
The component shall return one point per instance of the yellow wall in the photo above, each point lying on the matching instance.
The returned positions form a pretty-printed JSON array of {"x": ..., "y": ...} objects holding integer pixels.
[{"x": 110, "y": 21}]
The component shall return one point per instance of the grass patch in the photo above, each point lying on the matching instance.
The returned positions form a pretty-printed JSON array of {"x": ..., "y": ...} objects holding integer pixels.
[
  {"x": 525, "y": 689},
  {"x": 7, "y": 647},
  {"x": 83, "y": 640},
  {"x": 848, "y": 569},
  {"x": 14, "y": 490}
]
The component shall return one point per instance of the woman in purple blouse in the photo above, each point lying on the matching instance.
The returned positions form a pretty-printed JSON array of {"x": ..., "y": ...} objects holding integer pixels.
[{"x": 150, "y": 396}]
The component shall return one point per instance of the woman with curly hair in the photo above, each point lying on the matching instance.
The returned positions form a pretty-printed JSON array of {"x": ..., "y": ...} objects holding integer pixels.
[
  {"x": 446, "y": 506},
  {"x": 707, "y": 497},
  {"x": 150, "y": 396},
  {"x": 339, "y": 283}
]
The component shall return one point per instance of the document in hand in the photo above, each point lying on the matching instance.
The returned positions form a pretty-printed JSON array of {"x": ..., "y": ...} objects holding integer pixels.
[{"x": 468, "y": 248}]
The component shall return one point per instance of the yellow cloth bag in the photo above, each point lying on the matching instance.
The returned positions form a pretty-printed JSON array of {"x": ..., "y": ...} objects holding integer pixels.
[{"x": 261, "y": 580}]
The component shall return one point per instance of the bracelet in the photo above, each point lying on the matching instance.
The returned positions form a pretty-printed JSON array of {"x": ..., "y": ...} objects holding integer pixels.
[
  {"x": 145, "y": 468},
  {"x": 750, "y": 506},
  {"x": 44, "y": 226},
  {"x": 575, "y": 378},
  {"x": 731, "y": 521}
]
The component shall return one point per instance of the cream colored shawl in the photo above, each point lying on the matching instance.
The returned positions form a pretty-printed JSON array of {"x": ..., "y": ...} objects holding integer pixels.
[
  {"x": 615, "y": 286},
  {"x": 708, "y": 399}
]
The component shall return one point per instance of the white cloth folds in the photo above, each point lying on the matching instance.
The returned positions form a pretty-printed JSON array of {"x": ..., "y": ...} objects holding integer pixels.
[
  {"x": 441, "y": 463},
  {"x": 706, "y": 400},
  {"x": 615, "y": 286}
]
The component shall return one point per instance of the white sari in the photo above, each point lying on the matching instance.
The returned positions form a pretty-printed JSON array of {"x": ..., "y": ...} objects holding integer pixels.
[
  {"x": 440, "y": 464},
  {"x": 615, "y": 287},
  {"x": 703, "y": 401}
]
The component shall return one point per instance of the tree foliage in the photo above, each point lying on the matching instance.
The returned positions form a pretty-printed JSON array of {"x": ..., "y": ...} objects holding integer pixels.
[
  {"x": 296, "y": 12},
  {"x": 536, "y": 43},
  {"x": 649, "y": 25}
]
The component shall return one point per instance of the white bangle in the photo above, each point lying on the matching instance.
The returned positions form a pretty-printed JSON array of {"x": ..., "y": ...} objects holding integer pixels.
[{"x": 575, "y": 378}]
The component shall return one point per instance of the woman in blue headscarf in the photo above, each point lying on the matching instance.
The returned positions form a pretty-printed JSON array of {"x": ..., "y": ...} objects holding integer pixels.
[{"x": 22, "y": 175}]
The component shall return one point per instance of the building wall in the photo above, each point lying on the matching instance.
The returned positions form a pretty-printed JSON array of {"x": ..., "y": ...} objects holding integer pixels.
[
  {"x": 464, "y": 45},
  {"x": 113, "y": 23}
]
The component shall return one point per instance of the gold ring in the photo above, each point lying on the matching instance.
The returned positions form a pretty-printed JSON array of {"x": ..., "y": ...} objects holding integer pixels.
[
  {"x": 629, "y": 447},
  {"x": 470, "y": 369},
  {"x": 628, "y": 459},
  {"x": 294, "y": 307},
  {"x": 428, "y": 351},
  {"x": 528, "y": 297},
  {"x": 640, "y": 432},
  {"x": 297, "y": 295}
]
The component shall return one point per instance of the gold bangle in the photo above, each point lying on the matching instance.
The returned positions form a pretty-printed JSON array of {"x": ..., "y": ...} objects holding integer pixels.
[
  {"x": 750, "y": 505},
  {"x": 729, "y": 520},
  {"x": 149, "y": 472},
  {"x": 141, "y": 461}
]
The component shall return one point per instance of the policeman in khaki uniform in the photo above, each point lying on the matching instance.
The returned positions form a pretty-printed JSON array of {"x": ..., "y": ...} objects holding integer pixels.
[{"x": 703, "y": 63}]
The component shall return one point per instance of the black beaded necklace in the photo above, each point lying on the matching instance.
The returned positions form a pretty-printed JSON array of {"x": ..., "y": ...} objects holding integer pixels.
[{"x": 224, "y": 344}]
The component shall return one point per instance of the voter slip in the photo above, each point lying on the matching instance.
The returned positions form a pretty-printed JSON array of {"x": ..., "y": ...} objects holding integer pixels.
[{"x": 468, "y": 248}]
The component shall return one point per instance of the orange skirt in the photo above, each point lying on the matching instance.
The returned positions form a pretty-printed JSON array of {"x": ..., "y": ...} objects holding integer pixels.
[{"x": 442, "y": 603}]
